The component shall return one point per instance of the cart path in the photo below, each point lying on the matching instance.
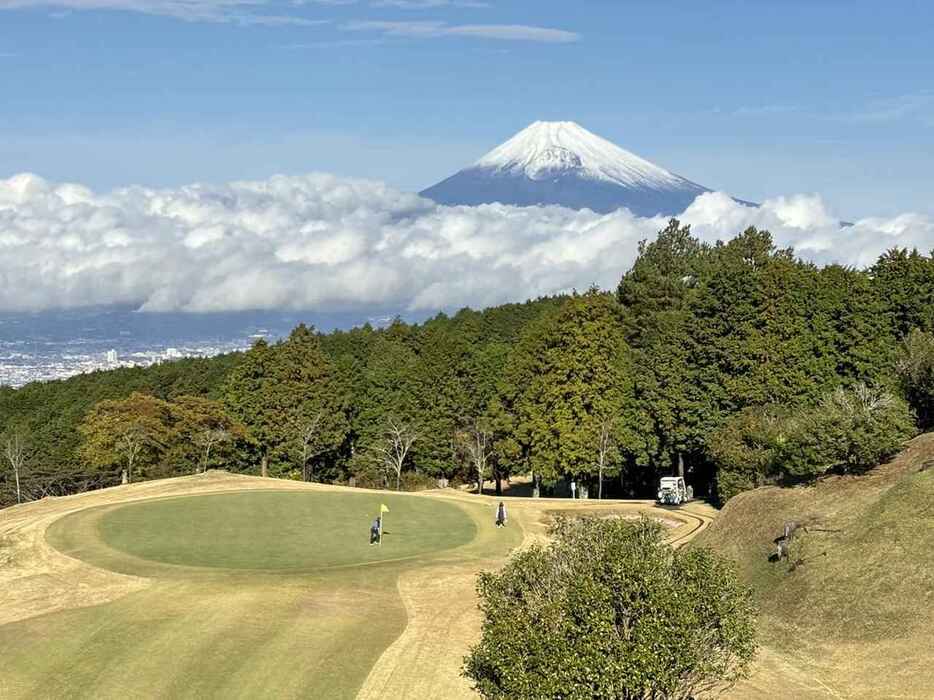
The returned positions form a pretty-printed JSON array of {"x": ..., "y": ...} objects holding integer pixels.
[{"x": 424, "y": 663}]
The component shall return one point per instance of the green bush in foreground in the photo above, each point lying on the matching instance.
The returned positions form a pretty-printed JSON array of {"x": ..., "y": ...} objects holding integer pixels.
[{"x": 610, "y": 611}]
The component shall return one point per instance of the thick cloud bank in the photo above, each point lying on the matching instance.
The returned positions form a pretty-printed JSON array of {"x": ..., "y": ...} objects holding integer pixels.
[{"x": 333, "y": 244}]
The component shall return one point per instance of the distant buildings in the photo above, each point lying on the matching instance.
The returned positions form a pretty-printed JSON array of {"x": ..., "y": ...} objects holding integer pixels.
[{"x": 18, "y": 368}]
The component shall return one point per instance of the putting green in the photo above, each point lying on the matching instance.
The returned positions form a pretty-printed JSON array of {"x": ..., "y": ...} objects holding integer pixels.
[
  {"x": 249, "y": 593},
  {"x": 280, "y": 531}
]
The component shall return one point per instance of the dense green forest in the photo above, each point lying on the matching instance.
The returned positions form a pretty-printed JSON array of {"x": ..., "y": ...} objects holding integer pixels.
[{"x": 736, "y": 363}]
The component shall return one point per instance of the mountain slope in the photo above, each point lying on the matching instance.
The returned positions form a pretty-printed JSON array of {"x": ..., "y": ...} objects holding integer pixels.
[
  {"x": 850, "y": 613},
  {"x": 562, "y": 163}
]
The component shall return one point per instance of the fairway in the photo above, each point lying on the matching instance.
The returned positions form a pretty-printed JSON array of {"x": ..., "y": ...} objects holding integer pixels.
[
  {"x": 273, "y": 531},
  {"x": 241, "y": 587},
  {"x": 264, "y": 589}
]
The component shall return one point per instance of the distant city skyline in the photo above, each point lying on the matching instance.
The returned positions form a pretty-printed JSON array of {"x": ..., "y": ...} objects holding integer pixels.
[{"x": 757, "y": 99}]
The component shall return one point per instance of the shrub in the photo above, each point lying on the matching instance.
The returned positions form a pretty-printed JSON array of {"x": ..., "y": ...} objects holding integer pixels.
[
  {"x": 610, "y": 611},
  {"x": 745, "y": 449},
  {"x": 852, "y": 430},
  {"x": 849, "y": 431},
  {"x": 916, "y": 371},
  {"x": 417, "y": 481}
]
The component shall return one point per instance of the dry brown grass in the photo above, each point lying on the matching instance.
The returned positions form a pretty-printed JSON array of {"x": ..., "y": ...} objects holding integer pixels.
[
  {"x": 441, "y": 601},
  {"x": 38, "y": 579},
  {"x": 853, "y": 620},
  {"x": 439, "y": 598}
]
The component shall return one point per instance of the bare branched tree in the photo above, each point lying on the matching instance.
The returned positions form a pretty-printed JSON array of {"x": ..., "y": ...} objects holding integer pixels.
[
  {"x": 130, "y": 444},
  {"x": 310, "y": 445},
  {"x": 206, "y": 440},
  {"x": 606, "y": 442},
  {"x": 15, "y": 452},
  {"x": 394, "y": 447},
  {"x": 477, "y": 445}
]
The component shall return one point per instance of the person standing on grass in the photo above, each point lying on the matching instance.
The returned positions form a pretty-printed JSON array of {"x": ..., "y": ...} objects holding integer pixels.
[
  {"x": 501, "y": 515},
  {"x": 374, "y": 531}
]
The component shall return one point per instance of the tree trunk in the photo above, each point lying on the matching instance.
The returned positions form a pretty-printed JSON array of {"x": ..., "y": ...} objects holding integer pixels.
[
  {"x": 399, "y": 480},
  {"x": 600, "y": 485},
  {"x": 19, "y": 493},
  {"x": 536, "y": 487},
  {"x": 499, "y": 484},
  {"x": 124, "y": 479},
  {"x": 480, "y": 485},
  {"x": 264, "y": 467},
  {"x": 681, "y": 465}
]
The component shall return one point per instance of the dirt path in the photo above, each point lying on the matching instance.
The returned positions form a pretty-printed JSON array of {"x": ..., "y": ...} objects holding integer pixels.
[{"x": 443, "y": 619}]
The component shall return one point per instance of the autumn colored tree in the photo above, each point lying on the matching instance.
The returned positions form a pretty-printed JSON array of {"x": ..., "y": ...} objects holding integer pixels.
[
  {"x": 208, "y": 435},
  {"x": 128, "y": 434}
]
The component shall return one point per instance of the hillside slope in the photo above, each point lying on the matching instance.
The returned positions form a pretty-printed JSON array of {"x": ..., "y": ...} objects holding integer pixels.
[{"x": 851, "y": 612}]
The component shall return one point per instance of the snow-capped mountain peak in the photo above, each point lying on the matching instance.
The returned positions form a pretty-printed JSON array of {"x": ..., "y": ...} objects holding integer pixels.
[
  {"x": 545, "y": 148},
  {"x": 561, "y": 163},
  {"x": 564, "y": 164}
]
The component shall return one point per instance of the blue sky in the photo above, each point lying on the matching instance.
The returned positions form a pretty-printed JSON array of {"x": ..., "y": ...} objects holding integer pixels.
[{"x": 755, "y": 98}]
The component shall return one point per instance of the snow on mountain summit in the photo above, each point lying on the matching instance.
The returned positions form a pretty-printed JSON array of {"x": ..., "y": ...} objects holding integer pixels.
[
  {"x": 547, "y": 147},
  {"x": 562, "y": 163}
]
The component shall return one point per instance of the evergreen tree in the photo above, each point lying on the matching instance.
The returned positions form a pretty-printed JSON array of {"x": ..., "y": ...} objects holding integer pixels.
[
  {"x": 508, "y": 414},
  {"x": 390, "y": 392},
  {"x": 277, "y": 391},
  {"x": 251, "y": 396},
  {"x": 658, "y": 296},
  {"x": 854, "y": 326},
  {"x": 904, "y": 281},
  {"x": 754, "y": 326},
  {"x": 580, "y": 379},
  {"x": 440, "y": 394}
]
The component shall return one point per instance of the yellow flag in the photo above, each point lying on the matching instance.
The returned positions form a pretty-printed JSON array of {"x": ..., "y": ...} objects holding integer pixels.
[{"x": 383, "y": 508}]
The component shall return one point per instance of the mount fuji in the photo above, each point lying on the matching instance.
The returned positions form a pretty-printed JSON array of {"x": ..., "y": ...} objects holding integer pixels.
[{"x": 562, "y": 163}]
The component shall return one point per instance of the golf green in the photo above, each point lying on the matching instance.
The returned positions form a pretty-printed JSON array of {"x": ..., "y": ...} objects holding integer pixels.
[
  {"x": 280, "y": 530},
  {"x": 243, "y": 594}
]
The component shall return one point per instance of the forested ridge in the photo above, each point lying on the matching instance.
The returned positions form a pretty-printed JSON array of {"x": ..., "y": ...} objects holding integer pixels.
[{"x": 737, "y": 363}]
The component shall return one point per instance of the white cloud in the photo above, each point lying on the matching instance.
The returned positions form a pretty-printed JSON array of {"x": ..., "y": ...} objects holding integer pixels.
[
  {"x": 428, "y": 4},
  {"x": 437, "y": 29},
  {"x": 331, "y": 244},
  {"x": 918, "y": 105},
  {"x": 243, "y": 12}
]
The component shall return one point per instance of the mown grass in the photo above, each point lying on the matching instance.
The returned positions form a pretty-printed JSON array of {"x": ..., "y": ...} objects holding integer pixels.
[
  {"x": 280, "y": 531},
  {"x": 254, "y": 594}
]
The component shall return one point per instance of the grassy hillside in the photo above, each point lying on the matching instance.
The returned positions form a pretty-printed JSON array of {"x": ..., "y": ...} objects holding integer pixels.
[{"x": 850, "y": 612}]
